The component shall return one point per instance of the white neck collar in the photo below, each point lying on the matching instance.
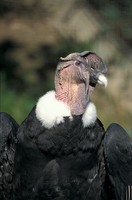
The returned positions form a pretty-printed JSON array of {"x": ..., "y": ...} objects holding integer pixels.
[{"x": 51, "y": 111}]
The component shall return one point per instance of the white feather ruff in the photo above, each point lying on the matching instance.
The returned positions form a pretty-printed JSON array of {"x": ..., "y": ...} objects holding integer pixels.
[
  {"x": 51, "y": 111},
  {"x": 90, "y": 115}
]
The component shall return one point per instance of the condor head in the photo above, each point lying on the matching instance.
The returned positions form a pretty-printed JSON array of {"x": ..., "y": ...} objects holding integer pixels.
[
  {"x": 76, "y": 76},
  {"x": 75, "y": 79}
]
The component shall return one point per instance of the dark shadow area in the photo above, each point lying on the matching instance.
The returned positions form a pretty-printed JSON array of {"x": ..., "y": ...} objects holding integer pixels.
[{"x": 9, "y": 65}]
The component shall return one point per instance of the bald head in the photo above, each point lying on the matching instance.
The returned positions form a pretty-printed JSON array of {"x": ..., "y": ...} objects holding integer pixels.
[{"x": 76, "y": 77}]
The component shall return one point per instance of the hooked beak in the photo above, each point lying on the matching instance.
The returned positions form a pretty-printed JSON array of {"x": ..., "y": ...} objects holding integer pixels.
[{"x": 102, "y": 80}]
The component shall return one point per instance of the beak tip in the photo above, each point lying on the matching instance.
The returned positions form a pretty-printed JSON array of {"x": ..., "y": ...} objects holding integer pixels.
[{"x": 102, "y": 80}]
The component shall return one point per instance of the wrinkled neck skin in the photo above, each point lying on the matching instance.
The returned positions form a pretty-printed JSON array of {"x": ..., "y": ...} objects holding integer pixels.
[
  {"x": 91, "y": 89},
  {"x": 72, "y": 93}
]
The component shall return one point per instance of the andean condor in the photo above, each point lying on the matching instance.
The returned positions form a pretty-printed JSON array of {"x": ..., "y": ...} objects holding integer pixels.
[{"x": 63, "y": 151}]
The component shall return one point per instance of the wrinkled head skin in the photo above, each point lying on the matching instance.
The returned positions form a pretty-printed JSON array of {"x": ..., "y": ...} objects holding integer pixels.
[
  {"x": 88, "y": 61},
  {"x": 76, "y": 77},
  {"x": 72, "y": 82},
  {"x": 73, "y": 67}
]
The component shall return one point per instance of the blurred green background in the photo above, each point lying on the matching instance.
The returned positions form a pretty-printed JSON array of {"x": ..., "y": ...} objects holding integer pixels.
[{"x": 35, "y": 33}]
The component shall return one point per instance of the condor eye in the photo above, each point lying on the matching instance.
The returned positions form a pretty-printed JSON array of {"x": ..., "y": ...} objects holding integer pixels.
[{"x": 77, "y": 63}]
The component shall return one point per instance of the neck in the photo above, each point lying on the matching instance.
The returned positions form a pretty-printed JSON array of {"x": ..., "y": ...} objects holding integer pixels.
[{"x": 74, "y": 95}]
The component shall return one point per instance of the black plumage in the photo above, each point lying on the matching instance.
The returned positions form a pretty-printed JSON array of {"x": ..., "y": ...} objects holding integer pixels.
[
  {"x": 64, "y": 162},
  {"x": 118, "y": 154},
  {"x": 8, "y": 129}
]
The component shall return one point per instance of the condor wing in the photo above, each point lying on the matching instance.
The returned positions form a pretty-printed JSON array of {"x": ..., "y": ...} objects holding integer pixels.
[
  {"x": 8, "y": 131},
  {"x": 118, "y": 153}
]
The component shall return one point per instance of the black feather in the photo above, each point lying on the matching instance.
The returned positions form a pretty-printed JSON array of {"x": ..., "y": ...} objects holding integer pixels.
[
  {"x": 8, "y": 130},
  {"x": 118, "y": 153}
]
